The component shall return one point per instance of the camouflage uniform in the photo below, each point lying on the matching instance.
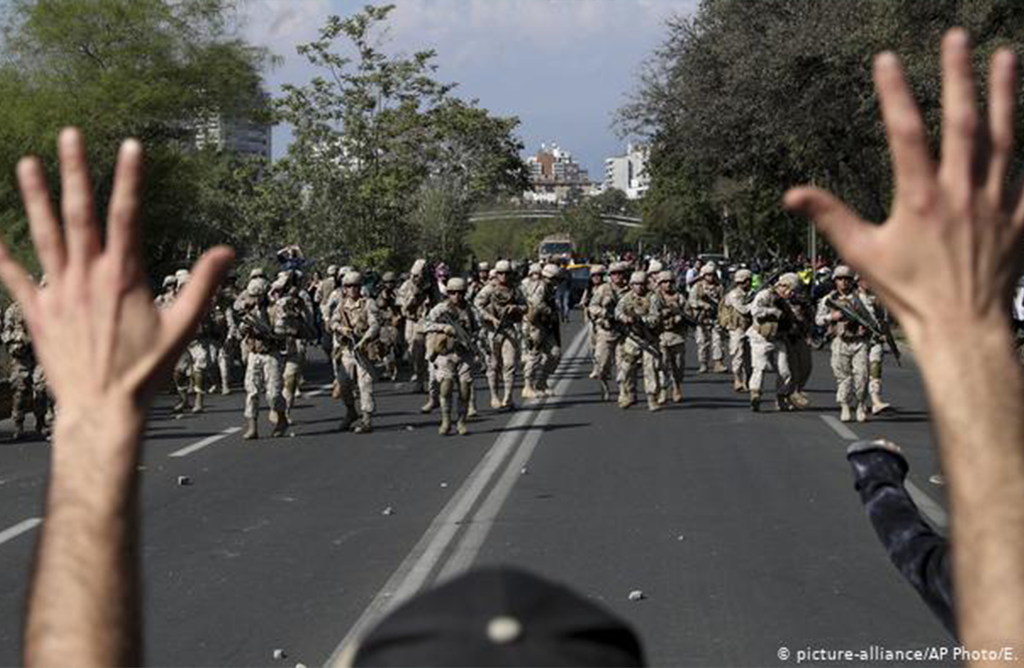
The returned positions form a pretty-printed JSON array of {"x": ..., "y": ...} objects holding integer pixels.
[
  {"x": 851, "y": 344},
  {"x": 876, "y": 353},
  {"x": 542, "y": 335},
  {"x": 669, "y": 310},
  {"x": 415, "y": 298},
  {"x": 734, "y": 317},
  {"x": 601, "y": 309},
  {"x": 451, "y": 358},
  {"x": 390, "y": 316},
  {"x": 263, "y": 364},
  {"x": 28, "y": 383},
  {"x": 356, "y": 326},
  {"x": 501, "y": 307},
  {"x": 704, "y": 301},
  {"x": 768, "y": 346},
  {"x": 632, "y": 308}
]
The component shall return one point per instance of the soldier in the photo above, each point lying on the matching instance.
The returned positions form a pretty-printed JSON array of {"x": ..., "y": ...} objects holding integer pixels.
[
  {"x": 797, "y": 338},
  {"x": 850, "y": 344},
  {"x": 183, "y": 369},
  {"x": 669, "y": 309},
  {"x": 479, "y": 281},
  {"x": 28, "y": 383},
  {"x": 542, "y": 334},
  {"x": 770, "y": 312},
  {"x": 602, "y": 313},
  {"x": 597, "y": 273},
  {"x": 415, "y": 298},
  {"x": 876, "y": 353},
  {"x": 226, "y": 346},
  {"x": 292, "y": 318},
  {"x": 452, "y": 328},
  {"x": 263, "y": 359},
  {"x": 636, "y": 316},
  {"x": 390, "y": 317},
  {"x": 735, "y": 318},
  {"x": 202, "y": 352},
  {"x": 355, "y": 325},
  {"x": 321, "y": 295},
  {"x": 705, "y": 299},
  {"x": 501, "y": 308}
]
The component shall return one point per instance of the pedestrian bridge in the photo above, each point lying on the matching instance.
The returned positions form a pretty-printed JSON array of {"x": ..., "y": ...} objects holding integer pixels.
[{"x": 528, "y": 214}]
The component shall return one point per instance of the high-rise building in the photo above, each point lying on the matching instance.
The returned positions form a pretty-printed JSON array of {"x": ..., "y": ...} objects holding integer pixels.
[
  {"x": 628, "y": 172},
  {"x": 235, "y": 133},
  {"x": 555, "y": 176}
]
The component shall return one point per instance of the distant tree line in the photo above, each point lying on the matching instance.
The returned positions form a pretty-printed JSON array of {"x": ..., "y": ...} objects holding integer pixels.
[{"x": 743, "y": 99}]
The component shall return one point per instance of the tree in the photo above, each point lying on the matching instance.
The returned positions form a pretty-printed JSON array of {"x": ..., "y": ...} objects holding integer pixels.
[
  {"x": 393, "y": 158},
  {"x": 743, "y": 99},
  {"x": 120, "y": 68}
]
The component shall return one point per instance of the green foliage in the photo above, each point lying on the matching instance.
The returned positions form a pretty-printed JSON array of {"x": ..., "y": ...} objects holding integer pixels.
[
  {"x": 392, "y": 158},
  {"x": 115, "y": 69},
  {"x": 743, "y": 99}
]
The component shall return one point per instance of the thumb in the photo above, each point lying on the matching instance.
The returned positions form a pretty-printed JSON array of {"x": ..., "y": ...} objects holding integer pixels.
[{"x": 844, "y": 229}]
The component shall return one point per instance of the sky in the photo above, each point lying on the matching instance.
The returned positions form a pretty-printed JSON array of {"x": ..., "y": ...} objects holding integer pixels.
[{"x": 562, "y": 66}]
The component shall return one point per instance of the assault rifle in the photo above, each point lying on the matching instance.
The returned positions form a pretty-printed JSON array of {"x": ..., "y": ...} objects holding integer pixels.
[
  {"x": 860, "y": 315},
  {"x": 640, "y": 334},
  {"x": 462, "y": 337},
  {"x": 353, "y": 343}
]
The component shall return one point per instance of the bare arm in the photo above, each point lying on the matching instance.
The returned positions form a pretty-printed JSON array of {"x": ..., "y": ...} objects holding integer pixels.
[
  {"x": 103, "y": 345},
  {"x": 944, "y": 264}
]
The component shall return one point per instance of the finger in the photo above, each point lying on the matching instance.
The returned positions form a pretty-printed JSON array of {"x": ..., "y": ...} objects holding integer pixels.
[
  {"x": 904, "y": 128},
  {"x": 179, "y": 321},
  {"x": 1002, "y": 100},
  {"x": 959, "y": 114},
  {"x": 122, "y": 221},
  {"x": 42, "y": 223},
  {"x": 850, "y": 235},
  {"x": 80, "y": 229},
  {"x": 17, "y": 281}
]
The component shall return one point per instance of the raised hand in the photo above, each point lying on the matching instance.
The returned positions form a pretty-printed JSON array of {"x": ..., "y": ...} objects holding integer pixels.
[{"x": 951, "y": 249}]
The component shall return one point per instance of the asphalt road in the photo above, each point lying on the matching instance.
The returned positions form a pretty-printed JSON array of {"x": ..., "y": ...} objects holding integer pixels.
[{"x": 742, "y": 530}]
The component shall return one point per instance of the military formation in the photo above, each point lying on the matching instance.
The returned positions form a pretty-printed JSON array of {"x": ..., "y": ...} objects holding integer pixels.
[{"x": 504, "y": 322}]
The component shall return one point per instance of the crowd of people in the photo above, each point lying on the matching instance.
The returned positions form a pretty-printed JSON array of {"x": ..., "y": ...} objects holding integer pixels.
[{"x": 945, "y": 263}]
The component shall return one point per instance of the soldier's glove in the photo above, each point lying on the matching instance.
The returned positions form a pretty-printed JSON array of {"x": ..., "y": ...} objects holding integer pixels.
[{"x": 448, "y": 329}]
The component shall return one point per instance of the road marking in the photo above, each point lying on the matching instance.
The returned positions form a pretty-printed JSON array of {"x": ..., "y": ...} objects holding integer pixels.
[
  {"x": 414, "y": 571},
  {"x": 19, "y": 528},
  {"x": 209, "y": 440},
  {"x": 319, "y": 391},
  {"x": 931, "y": 509},
  {"x": 480, "y": 526},
  {"x": 839, "y": 428}
]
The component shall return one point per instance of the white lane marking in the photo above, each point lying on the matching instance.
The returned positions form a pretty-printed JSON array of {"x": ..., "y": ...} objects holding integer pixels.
[
  {"x": 414, "y": 570},
  {"x": 480, "y": 526},
  {"x": 209, "y": 440},
  {"x": 928, "y": 506},
  {"x": 839, "y": 428},
  {"x": 319, "y": 391},
  {"x": 931, "y": 509},
  {"x": 19, "y": 528}
]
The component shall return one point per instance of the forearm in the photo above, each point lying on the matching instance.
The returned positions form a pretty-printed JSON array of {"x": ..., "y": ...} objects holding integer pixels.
[
  {"x": 83, "y": 608},
  {"x": 976, "y": 392}
]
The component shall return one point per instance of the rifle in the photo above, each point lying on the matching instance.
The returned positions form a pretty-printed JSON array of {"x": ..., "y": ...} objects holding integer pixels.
[
  {"x": 640, "y": 338},
  {"x": 868, "y": 322},
  {"x": 352, "y": 343},
  {"x": 464, "y": 338}
]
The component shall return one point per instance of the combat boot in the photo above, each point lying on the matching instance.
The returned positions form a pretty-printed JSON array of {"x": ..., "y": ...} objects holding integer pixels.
[
  {"x": 799, "y": 400},
  {"x": 225, "y": 389},
  {"x": 862, "y": 412},
  {"x": 737, "y": 385},
  {"x": 606, "y": 393},
  {"x": 364, "y": 425},
  {"x": 528, "y": 391},
  {"x": 625, "y": 400},
  {"x": 465, "y": 405},
  {"x": 471, "y": 411},
  {"x": 446, "y": 408},
  {"x": 703, "y": 368},
  {"x": 182, "y": 402},
  {"x": 251, "y": 431},
  {"x": 677, "y": 393},
  {"x": 430, "y": 405},
  {"x": 349, "y": 419},
  {"x": 782, "y": 404},
  {"x": 492, "y": 389},
  {"x": 844, "y": 413},
  {"x": 281, "y": 428},
  {"x": 718, "y": 367},
  {"x": 506, "y": 399},
  {"x": 877, "y": 404},
  {"x": 198, "y": 406},
  {"x": 653, "y": 405},
  {"x": 755, "y": 401}
]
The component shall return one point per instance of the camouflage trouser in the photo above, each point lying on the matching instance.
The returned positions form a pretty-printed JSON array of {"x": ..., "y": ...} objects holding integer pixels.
[
  {"x": 263, "y": 371},
  {"x": 674, "y": 367},
  {"x": 416, "y": 342},
  {"x": 453, "y": 366},
  {"x": 592, "y": 341},
  {"x": 542, "y": 357},
  {"x": 801, "y": 362},
  {"x": 605, "y": 353},
  {"x": 629, "y": 360},
  {"x": 850, "y": 367},
  {"x": 348, "y": 369},
  {"x": 183, "y": 372},
  {"x": 28, "y": 385},
  {"x": 765, "y": 354},
  {"x": 501, "y": 360},
  {"x": 875, "y": 357},
  {"x": 709, "y": 343},
  {"x": 738, "y": 354},
  {"x": 202, "y": 355}
]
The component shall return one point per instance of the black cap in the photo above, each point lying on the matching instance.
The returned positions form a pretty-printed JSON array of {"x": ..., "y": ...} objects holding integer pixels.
[{"x": 500, "y": 616}]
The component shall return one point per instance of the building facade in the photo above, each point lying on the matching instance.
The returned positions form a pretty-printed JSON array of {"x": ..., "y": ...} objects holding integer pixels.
[
  {"x": 238, "y": 135},
  {"x": 556, "y": 177},
  {"x": 628, "y": 172}
]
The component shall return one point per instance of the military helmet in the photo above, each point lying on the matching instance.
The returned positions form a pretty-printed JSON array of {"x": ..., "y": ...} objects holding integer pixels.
[
  {"x": 842, "y": 271},
  {"x": 170, "y": 281},
  {"x": 388, "y": 277},
  {"x": 483, "y": 266},
  {"x": 256, "y": 272},
  {"x": 709, "y": 269},
  {"x": 456, "y": 284},
  {"x": 257, "y": 286},
  {"x": 789, "y": 280},
  {"x": 418, "y": 267},
  {"x": 551, "y": 271},
  {"x": 618, "y": 268},
  {"x": 742, "y": 276},
  {"x": 638, "y": 278},
  {"x": 665, "y": 276},
  {"x": 535, "y": 269},
  {"x": 598, "y": 270},
  {"x": 352, "y": 278},
  {"x": 655, "y": 267},
  {"x": 332, "y": 270},
  {"x": 502, "y": 267}
]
